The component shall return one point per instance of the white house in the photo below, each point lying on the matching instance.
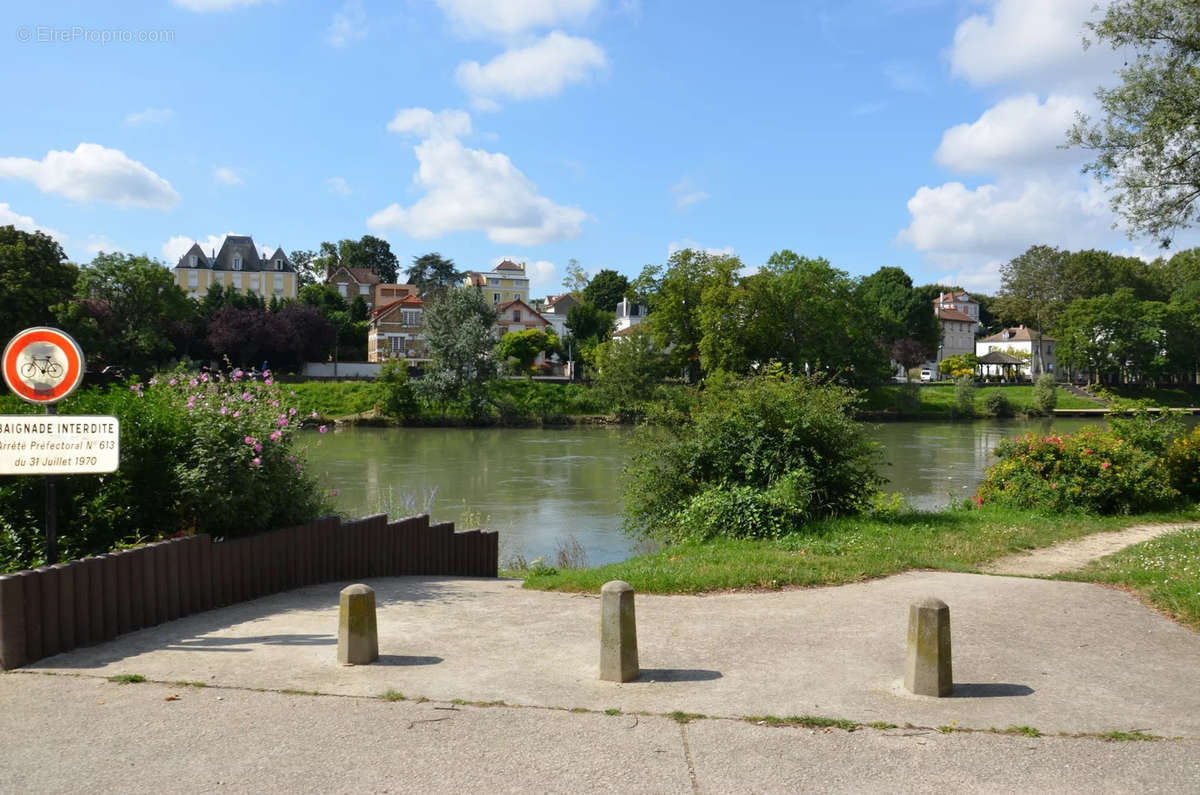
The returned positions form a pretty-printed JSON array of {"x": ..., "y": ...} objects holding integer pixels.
[
  {"x": 958, "y": 314},
  {"x": 1024, "y": 342},
  {"x": 630, "y": 314}
]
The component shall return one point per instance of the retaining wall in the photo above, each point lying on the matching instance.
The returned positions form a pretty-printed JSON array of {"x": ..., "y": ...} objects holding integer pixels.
[{"x": 58, "y": 608}]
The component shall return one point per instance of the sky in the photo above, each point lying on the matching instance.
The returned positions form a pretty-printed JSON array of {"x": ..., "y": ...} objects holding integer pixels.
[{"x": 924, "y": 134}]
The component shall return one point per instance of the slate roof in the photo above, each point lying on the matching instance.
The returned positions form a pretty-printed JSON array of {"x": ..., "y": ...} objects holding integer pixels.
[
  {"x": 998, "y": 357},
  {"x": 232, "y": 245},
  {"x": 1017, "y": 334}
]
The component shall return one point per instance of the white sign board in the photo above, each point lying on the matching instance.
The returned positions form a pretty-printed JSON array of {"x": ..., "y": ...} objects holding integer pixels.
[{"x": 58, "y": 444}]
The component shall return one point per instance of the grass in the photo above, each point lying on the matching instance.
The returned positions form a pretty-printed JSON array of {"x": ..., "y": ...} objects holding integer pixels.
[
  {"x": 127, "y": 679},
  {"x": 186, "y": 683},
  {"x": 333, "y": 398},
  {"x": 392, "y": 695},
  {"x": 810, "y": 722},
  {"x": 938, "y": 401},
  {"x": 1175, "y": 397},
  {"x": 1119, "y": 736},
  {"x": 685, "y": 717},
  {"x": 1164, "y": 570},
  {"x": 844, "y": 550}
]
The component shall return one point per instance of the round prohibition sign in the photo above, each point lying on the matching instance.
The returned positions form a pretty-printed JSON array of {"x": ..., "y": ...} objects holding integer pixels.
[{"x": 42, "y": 365}]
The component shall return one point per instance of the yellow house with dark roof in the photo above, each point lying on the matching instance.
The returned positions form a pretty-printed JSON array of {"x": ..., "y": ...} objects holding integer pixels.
[
  {"x": 237, "y": 266},
  {"x": 506, "y": 282}
]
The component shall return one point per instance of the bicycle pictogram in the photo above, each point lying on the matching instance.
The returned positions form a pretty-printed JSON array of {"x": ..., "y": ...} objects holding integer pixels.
[{"x": 41, "y": 365}]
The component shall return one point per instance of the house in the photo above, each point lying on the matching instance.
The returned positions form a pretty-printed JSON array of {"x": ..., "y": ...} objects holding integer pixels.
[
  {"x": 394, "y": 330},
  {"x": 237, "y": 266},
  {"x": 630, "y": 314},
  {"x": 1034, "y": 349},
  {"x": 354, "y": 282},
  {"x": 506, "y": 282},
  {"x": 958, "y": 314},
  {"x": 516, "y": 315},
  {"x": 555, "y": 311}
]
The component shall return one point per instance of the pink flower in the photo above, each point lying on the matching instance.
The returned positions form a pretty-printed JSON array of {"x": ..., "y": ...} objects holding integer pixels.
[
  {"x": 292, "y": 412},
  {"x": 281, "y": 421},
  {"x": 1105, "y": 465},
  {"x": 314, "y": 415},
  {"x": 275, "y": 436},
  {"x": 1054, "y": 485},
  {"x": 171, "y": 382},
  {"x": 268, "y": 381},
  {"x": 323, "y": 429},
  {"x": 224, "y": 410},
  {"x": 257, "y": 447},
  {"x": 237, "y": 414},
  {"x": 256, "y": 462},
  {"x": 247, "y": 396},
  {"x": 153, "y": 381},
  {"x": 249, "y": 440},
  {"x": 237, "y": 373}
]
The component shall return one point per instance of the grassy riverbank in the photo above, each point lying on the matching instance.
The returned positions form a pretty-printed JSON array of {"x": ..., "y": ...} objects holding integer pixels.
[
  {"x": 848, "y": 549},
  {"x": 937, "y": 401}
]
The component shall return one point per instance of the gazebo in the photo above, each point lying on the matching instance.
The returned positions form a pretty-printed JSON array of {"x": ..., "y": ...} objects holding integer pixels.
[{"x": 1004, "y": 363}]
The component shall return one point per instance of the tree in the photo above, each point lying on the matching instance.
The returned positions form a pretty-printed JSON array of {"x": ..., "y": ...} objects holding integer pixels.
[
  {"x": 1034, "y": 291},
  {"x": 323, "y": 297},
  {"x": 370, "y": 253},
  {"x": 1147, "y": 144},
  {"x": 576, "y": 278},
  {"x": 960, "y": 366},
  {"x": 588, "y": 327},
  {"x": 308, "y": 270},
  {"x": 432, "y": 272},
  {"x": 629, "y": 368},
  {"x": 524, "y": 346},
  {"x": 34, "y": 277},
  {"x": 458, "y": 336},
  {"x": 675, "y": 309},
  {"x": 899, "y": 311},
  {"x": 605, "y": 290},
  {"x": 129, "y": 312}
]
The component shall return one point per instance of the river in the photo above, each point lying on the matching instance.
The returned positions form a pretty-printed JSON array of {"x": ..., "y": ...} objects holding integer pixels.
[{"x": 541, "y": 488}]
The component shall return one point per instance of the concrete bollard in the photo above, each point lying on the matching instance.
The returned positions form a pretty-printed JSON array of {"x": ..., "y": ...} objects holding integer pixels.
[
  {"x": 618, "y": 633},
  {"x": 927, "y": 669},
  {"x": 358, "y": 635}
]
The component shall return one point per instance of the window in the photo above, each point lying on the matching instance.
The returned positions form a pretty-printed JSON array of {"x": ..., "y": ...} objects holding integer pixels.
[
  {"x": 254, "y": 282},
  {"x": 396, "y": 344},
  {"x": 494, "y": 282},
  {"x": 410, "y": 317},
  {"x": 192, "y": 261},
  {"x": 237, "y": 262},
  {"x": 364, "y": 289},
  {"x": 495, "y": 298},
  {"x": 517, "y": 315},
  {"x": 193, "y": 279},
  {"x": 342, "y": 290},
  {"x": 634, "y": 310},
  {"x": 278, "y": 264},
  {"x": 516, "y": 296},
  {"x": 279, "y": 282}
]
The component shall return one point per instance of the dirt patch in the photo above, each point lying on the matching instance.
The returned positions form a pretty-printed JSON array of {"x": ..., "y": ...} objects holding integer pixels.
[{"x": 1076, "y": 554}]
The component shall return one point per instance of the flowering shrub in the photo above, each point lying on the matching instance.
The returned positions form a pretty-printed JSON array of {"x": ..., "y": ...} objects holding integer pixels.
[
  {"x": 1183, "y": 464},
  {"x": 200, "y": 452},
  {"x": 1093, "y": 470}
]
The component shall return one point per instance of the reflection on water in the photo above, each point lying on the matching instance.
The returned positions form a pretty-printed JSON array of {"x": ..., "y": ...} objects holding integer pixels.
[{"x": 538, "y": 487}]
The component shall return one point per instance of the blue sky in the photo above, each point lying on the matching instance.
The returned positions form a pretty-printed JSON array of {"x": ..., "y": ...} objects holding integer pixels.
[{"x": 916, "y": 133}]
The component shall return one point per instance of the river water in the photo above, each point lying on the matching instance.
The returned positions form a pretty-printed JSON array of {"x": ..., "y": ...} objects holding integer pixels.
[{"x": 540, "y": 488}]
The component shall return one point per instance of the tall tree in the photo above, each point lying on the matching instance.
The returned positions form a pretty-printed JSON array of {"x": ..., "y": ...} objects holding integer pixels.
[
  {"x": 898, "y": 311},
  {"x": 308, "y": 270},
  {"x": 675, "y": 309},
  {"x": 458, "y": 335},
  {"x": 1147, "y": 144},
  {"x": 432, "y": 272},
  {"x": 129, "y": 311},
  {"x": 576, "y": 278},
  {"x": 34, "y": 277},
  {"x": 370, "y": 253},
  {"x": 606, "y": 289},
  {"x": 1033, "y": 291}
]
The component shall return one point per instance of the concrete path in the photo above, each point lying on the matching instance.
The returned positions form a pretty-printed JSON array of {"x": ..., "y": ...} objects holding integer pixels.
[
  {"x": 1075, "y": 554},
  {"x": 1056, "y": 656}
]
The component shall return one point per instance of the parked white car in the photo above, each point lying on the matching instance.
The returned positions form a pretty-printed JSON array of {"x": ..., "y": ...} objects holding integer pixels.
[{"x": 927, "y": 375}]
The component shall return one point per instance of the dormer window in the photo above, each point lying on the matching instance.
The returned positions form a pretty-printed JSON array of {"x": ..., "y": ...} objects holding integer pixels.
[
  {"x": 278, "y": 264},
  {"x": 237, "y": 262},
  {"x": 192, "y": 261}
]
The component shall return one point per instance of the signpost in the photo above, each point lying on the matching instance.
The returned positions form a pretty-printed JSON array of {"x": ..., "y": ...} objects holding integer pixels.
[{"x": 42, "y": 366}]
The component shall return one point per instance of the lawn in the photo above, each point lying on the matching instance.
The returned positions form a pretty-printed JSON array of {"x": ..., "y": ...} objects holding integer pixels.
[
  {"x": 842, "y": 550},
  {"x": 938, "y": 400},
  {"x": 334, "y": 398},
  {"x": 1174, "y": 397}
]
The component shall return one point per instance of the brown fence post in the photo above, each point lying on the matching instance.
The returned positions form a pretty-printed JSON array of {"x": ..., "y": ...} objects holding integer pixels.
[
  {"x": 108, "y": 570},
  {"x": 12, "y": 621},
  {"x": 34, "y": 633},
  {"x": 205, "y": 599},
  {"x": 123, "y": 567},
  {"x": 48, "y": 579},
  {"x": 171, "y": 548},
  {"x": 152, "y": 609},
  {"x": 137, "y": 587},
  {"x": 83, "y": 606},
  {"x": 187, "y": 578},
  {"x": 66, "y": 606}
]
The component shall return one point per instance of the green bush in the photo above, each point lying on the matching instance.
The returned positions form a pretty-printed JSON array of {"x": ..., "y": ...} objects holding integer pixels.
[
  {"x": 964, "y": 396},
  {"x": 1093, "y": 470},
  {"x": 753, "y": 458},
  {"x": 1183, "y": 464},
  {"x": 199, "y": 453},
  {"x": 996, "y": 404},
  {"x": 397, "y": 398},
  {"x": 1045, "y": 394}
]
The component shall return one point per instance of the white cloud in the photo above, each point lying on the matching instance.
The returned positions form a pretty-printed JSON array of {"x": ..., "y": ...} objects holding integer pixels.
[
  {"x": 471, "y": 189},
  {"x": 687, "y": 194},
  {"x": 10, "y": 217},
  {"x": 424, "y": 123},
  {"x": 542, "y": 69},
  {"x": 1017, "y": 133},
  {"x": 214, "y": 5},
  {"x": 226, "y": 176},
  {"x": 149, "y": 116},
  {"x": 957, "y": 225},
  {"x": 1030, "y": 39},
  {"x": 338, "y": 185},
  {"x": 510, "y": 17},
  {"x": 983, "y": 278},
  {"x": 178, "y": 245},
  {"x": 349, "y": 24},
  {"x": 100, "y": 243},
  {"x": 93, "y": 173}
]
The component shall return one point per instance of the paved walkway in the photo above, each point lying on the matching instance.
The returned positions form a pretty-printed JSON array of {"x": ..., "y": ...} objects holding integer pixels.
[
  {"x": 1056, "y": 656},
  {"x": 1077, "y": 553}
]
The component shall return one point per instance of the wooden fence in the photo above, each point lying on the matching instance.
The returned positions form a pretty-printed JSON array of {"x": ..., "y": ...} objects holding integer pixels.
[{"x": 58, "y": 608}]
